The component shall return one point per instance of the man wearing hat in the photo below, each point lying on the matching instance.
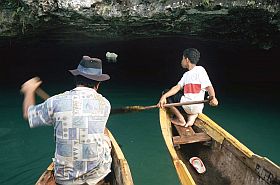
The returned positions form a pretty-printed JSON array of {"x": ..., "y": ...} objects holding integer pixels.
[
  {"x": 194, "y": 83},
  {"x": 79, "y": 118}
]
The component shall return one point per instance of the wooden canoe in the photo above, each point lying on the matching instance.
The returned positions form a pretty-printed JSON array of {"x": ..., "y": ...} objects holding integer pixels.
[
  {"x": 227, "y": 161},
  {"x": 120, "y": 172}
]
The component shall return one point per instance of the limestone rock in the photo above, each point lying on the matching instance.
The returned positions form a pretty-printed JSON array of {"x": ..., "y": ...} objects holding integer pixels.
[{"x": 254, "y": 21}]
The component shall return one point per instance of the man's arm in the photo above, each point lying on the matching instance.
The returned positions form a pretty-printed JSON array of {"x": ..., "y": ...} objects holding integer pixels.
[
  {"x": 211, "y": 93},
  {"x": 29, "y": 99},
  {"x": 169, "y": 93},
  {"x": 28, "y": 89}
]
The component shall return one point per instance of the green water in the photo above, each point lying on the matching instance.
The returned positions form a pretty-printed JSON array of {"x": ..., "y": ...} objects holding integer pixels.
[
  {"x": 25, "y": 153},
  {"x": 244, "y": 78}
]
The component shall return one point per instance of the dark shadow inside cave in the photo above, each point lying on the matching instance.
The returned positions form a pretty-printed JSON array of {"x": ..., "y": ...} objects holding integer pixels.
[{"x": 146, "y": 62}]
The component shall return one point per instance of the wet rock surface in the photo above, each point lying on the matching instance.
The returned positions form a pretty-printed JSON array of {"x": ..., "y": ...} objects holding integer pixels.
[{"x": 254, "y": 22}]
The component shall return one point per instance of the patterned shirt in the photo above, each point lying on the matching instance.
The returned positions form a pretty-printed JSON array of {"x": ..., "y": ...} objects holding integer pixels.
[{"x": 79, "y": 118}]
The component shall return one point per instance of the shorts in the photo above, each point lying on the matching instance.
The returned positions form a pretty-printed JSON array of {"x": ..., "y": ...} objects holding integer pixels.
[
  {"x": 176, "y": 98},
  {"x": 189, "y": 109}
]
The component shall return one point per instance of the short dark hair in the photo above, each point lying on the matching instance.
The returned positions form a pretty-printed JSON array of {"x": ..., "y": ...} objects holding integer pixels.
[
  {"x": 81, "y": 80},
  {"x": 192, "y": 54}
]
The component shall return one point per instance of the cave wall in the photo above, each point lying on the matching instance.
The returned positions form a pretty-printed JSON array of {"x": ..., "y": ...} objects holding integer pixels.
[{"x": 254, "y": 22}]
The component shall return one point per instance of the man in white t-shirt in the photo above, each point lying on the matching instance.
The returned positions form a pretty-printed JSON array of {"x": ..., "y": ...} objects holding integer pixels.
[{"x": 194, "y": 83}]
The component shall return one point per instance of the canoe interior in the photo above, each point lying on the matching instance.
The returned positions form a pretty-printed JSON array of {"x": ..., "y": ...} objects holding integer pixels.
[
  {"x": 229, "y": 157},
  {"x": 204, "y": 152},
  {"x": 227, "y": 161}
]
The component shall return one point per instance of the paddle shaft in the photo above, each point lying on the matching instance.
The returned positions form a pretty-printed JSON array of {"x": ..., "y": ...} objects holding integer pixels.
[{"x": 41, "y": 93}]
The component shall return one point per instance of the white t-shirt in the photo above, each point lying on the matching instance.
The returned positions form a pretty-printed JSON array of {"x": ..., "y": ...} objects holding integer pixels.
[{"x": 194, "y": 83}]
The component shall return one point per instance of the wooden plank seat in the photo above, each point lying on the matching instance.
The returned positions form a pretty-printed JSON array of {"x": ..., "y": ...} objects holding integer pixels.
[{"x": 188, "y": 135}]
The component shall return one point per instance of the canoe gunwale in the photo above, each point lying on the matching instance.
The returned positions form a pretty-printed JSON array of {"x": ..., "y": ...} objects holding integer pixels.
[
  {"x": 182, "y": 172},
  {"x": 121, "y": 161},
  {"x": 219, "y": 134},
  {"x": 258, "y": 165}
]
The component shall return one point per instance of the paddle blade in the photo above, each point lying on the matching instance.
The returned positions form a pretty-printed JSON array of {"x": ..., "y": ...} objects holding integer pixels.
[{"x": 127, "y": 109}]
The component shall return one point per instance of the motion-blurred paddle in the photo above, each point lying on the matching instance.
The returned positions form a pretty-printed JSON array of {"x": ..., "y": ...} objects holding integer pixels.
[{"x": 40, "y": 92}]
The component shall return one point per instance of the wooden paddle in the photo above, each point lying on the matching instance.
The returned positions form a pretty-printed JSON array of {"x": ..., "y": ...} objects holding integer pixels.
[
  {"x": 40, "y": 92},
  {"x": 140, "y": 108}
]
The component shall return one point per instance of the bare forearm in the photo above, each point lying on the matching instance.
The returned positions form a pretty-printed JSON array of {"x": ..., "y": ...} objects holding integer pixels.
[
  {"x": 29, "y": 99},
  {"x": 211, "y": 91},
  {"x": 172, "y": 91},
  {"x": 28, "y": 89}
]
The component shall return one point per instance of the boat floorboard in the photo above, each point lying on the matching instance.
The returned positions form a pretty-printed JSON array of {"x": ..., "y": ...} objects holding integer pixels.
[
  {"x": 201, "y": 150},
  {"x": 188, "y": 135}
]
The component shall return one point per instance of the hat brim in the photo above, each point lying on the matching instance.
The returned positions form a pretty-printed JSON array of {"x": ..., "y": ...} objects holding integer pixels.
[{"x": 99, "y": 78}]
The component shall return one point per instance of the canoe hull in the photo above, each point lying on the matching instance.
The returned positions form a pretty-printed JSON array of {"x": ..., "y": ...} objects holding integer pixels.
[{"x": 227, "y": 160}]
